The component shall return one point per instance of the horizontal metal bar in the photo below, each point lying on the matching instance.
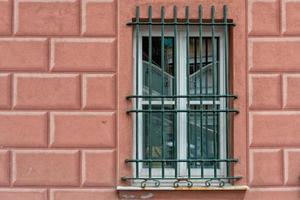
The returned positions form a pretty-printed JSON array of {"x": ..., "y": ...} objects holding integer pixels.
[
  {"x": 181, "y": 23},
  {"x": 182, "y": 96},
  {"x": 192, "y": 102},
  {"x": 182, "y": 160},
  {"x": 191, "y": 178},
  {"x": 177, "y": 111}
]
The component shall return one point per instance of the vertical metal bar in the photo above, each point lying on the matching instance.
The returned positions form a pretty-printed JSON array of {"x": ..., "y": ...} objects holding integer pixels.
[
  {"x": 206, "y": 55},
  {"x": 194, "y": 131},
  {"x": 226, "y": 86},
  {"x": 206, "y": 92},
  {"x": 213, "y": 86},
  {"x": 150, "y": 86},
  {"x": 217, "y": 125},
  {"x": 162, "y": 86},
  {"x": 175, "y": 88},
  {"x": 200, "y": 85},
  {"x": 137, "y": 90},
  {"x": 217, "y": 64},
  {"x": 188, "y": 86}
]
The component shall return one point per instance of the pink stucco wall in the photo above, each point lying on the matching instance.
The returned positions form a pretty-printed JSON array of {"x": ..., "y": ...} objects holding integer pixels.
[{"x": 66, "y": 68}]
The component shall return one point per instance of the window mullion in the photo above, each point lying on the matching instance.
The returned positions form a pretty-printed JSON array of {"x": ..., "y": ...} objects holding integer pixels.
[
  {"x": 150, "y": 90},
  {"x": 182, "y": 139},
  {"x": 187, "y": 66},
  {"x": 162, "y": 87},
  {"x": 137, "y": 142},
  {"x": 214, "y": 90},
  {"x": 140, "y": 116},
  {"x": 175, "y": 93},
  {"x": 226, "y": 64}
]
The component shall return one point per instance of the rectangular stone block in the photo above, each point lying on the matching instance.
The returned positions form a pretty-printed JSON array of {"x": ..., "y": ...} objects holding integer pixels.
[
  {"x": 86, "y": 194},
  {"x": 5, "y": 90},
  {"x": 274, "y": 54},
  {"x": 272, "y": 194},
  {"x": 4, "y": 168},
  {"x": 291, "y": 93},
  {"x": 45, "y": 168},
  {"x": 271, "y": 129},
  {"x": 292, "y": 166},
  {"x": 43, "y": 17},
  {"x": 85, "y": 129},
  {"x": 99, "y": 17},
  {"x": 23, "y": 194},
  {"x": 5, "y": 17},
  {"x": 265, "y": 91},
  {"x": 290, "y": 17},
  {"x": 23, "y": 54},
  {"x": 86, "y": 54},
  {"x": 46, "y": 91},
  {"x": 264, "y": 17},
  {"x": 99, "y": 168},
  {"x": 266, "y": 167},
  {"x": 23, "y": 129},
  {"x": 99, "y": 91}
]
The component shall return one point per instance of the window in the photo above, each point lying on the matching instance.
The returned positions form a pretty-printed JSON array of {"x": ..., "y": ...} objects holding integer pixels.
[{"x": 182, "y": 103}]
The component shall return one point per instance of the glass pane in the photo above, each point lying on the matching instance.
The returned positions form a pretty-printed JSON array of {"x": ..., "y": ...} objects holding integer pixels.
[
  {"x": 206, "y": 124},
  {"x": 160, "y": 83},
  {"x": 203, "y": 79},
  {"x": 158, "y": 80},
  {"x": 204, "y": 76},
  {"x": 153, "y": 146}
]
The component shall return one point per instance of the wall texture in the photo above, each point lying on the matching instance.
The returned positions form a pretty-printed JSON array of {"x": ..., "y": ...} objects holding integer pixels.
[
  {"x": 273, "y": 96},
  {"x": 58, "y": 62},
  {"x": 66, "y": 67}
]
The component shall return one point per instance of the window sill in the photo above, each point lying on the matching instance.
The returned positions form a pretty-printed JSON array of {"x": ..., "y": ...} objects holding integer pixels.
[{"x": 225, "y": 188}]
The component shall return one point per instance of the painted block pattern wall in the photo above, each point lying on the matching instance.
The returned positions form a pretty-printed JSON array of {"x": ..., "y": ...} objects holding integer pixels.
[
  {"x": 59, "y": 105},
  {"x": 273, "y": 96},
  {"x": 58, "y": 62}
]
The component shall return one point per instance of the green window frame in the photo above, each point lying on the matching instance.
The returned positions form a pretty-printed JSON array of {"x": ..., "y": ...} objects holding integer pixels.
[{"x": 182, "y": 103}]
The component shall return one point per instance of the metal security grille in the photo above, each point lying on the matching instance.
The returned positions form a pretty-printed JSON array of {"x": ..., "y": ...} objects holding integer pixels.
[{"x": 179, "y": 137}]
